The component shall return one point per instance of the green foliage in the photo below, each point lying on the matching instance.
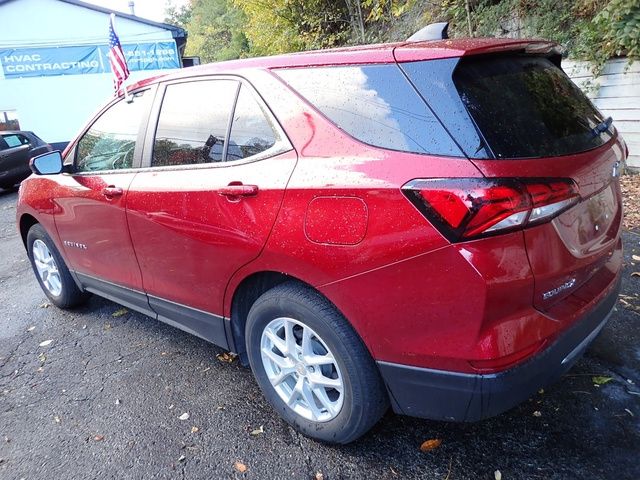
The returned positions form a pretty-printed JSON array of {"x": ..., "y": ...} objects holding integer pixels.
[
  {"x": 216, "y": 29},
  {"x": 594, "y": 30},
  {"x": 384, "y": 10},
  {"x": 619, "y": 25},
  {"x": 177, "y": 16},
  {"x": 279, "y": 26}
]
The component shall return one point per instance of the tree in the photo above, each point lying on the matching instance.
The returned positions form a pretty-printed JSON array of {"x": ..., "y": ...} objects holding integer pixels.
[
  {"x": 279, "y": 26},
  {"x": 215, "y": 27},
  {"x": 180, "y": 17}
]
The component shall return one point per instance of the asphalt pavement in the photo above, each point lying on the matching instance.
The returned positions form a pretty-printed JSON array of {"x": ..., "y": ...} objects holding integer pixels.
[{"x": 85, "y": 394}]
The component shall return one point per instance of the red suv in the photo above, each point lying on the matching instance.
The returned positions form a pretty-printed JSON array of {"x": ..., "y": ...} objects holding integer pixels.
[{"x": 433, "y": 225}]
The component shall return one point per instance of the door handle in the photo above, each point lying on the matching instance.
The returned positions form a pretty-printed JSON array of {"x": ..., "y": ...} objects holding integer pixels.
[
  {"x": 237, "y": 189},
  {"x": 112, "y": 191}
]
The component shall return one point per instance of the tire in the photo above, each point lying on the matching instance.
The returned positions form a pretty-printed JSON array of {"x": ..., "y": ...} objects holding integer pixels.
[
  {"x": 346, "y": 412},
  {"x": 52, "y": 273}
]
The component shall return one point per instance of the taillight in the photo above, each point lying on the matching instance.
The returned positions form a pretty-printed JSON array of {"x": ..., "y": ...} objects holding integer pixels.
[{"x": 468, "y": 208}]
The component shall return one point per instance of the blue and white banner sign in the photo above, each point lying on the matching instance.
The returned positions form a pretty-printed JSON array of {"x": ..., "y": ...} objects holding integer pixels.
[{"x": 86, "y": 59}]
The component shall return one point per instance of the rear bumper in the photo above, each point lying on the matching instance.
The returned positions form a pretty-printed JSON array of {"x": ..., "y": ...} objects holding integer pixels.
[{"x": 442, "y": 395}]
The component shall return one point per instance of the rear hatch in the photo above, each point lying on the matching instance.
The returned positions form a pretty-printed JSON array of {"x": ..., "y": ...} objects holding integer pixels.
[{"x": 515, "y": 114}]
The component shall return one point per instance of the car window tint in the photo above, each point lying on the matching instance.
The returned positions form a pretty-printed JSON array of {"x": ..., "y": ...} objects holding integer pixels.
[
  {"x": 3, "y": 144},
  {"x": 375, "y": 104},
  {"x": 432, "y": 79},
  {"x": 110, "y": 142},
  {"x": 15, "y": 140},
  {"x": 193, "y": 122},
  {"x": 527, "y": 107},
  {"x": 251, "y": 132}
]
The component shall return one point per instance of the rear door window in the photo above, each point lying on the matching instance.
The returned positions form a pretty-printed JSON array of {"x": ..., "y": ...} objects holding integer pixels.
[
  {"x": 193, "y": 122},
  {"x": 375, "y": 104},
  {"x": 251, "y": 130},
  {"x": 15, "y": 140}
]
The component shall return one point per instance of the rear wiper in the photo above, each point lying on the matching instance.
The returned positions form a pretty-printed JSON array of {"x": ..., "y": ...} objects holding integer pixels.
[{"x": 602, "y": 127}]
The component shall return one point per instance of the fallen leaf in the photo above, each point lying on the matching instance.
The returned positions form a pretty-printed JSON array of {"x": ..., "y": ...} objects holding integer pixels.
[
  {"x": 31, "y": 329},
  {"x": 319, "y": 476},
  {"x": 184, "y": 416},
  {"x": 220, "y": 407},
  {"x": 45, "y": 343},
  {"x": 42, "y": 357},
  {"x": 629, "y": 412},
  {"x": 537, "y": 413},
  {"x": 182, "y": 458},
  {"x": 107, "y": 326},
  {"x": 98, "y": 438},
  {"x": 195, "y": 429},
  {"x": 429, "y": 445},
  {"x": 258, "y": 431},
  {"x": 119, "y": 313},
  {"x": 45, "y": 305},
  {"x": 241, "y": 467},
  {"x": 636, "y": 258},
  {"x": 635, "y": 274},
  {"x": 497, "y": 475},
  {"x": 601, "y": 380},
  {"x": 226, "y": 357},
  {"x": 171, "y": 406},
  {"x": 56, "y": 419}
]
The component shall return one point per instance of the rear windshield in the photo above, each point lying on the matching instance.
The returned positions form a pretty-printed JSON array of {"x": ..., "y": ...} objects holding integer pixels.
[{"x": 513, "y": 106}]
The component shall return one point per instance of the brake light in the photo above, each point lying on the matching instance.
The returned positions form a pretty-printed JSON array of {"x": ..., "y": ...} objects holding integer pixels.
[{"x": 473, "y": 207}]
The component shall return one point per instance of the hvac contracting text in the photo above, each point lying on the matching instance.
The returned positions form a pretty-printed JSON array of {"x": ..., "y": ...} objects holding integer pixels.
[{"x": 84, "y": 59}]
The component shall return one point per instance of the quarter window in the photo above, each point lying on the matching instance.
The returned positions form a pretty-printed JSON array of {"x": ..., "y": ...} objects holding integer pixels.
[
  {"x": 375, "y": 104},
  {"x": 15, "y": 140},
  {"x": 251, "y": 132},
  {"x": 110, "y": 142},
  {"x": 193, "y": 122}
]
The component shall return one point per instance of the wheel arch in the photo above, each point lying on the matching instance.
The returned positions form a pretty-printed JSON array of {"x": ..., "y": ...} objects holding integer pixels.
[
  {"x": 26, "y": 222},
  {"x": 245, "y": 295}
]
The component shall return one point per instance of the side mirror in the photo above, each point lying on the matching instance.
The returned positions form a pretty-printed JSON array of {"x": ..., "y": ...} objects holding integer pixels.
[{"x": 49, "y": 163}]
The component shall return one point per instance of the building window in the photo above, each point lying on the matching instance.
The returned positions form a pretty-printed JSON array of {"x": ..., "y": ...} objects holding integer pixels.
[{"x": 9, "y": 120}]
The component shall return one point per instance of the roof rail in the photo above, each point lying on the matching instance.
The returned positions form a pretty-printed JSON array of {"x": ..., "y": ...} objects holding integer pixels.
[{"x": 433, "y": 31}]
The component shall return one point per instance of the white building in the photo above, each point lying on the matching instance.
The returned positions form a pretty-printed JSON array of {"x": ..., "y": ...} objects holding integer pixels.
[{"x": 54, "y": 72}]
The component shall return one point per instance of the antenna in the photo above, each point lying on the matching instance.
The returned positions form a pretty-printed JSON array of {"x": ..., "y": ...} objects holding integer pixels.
[{"x": 434, "y": 31}]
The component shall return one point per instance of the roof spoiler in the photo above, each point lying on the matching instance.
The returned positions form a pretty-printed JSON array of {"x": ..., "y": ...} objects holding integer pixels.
[{"x": 433, "y": 31}]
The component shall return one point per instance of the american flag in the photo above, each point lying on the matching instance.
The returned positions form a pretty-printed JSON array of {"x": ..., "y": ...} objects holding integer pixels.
[{"x": 116, "y": 57}]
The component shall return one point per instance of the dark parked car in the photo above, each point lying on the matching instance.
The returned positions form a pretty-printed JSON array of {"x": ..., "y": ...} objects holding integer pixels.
[
  {"x": 16, "y": 149},
  {"x": 431, "y": 226}
]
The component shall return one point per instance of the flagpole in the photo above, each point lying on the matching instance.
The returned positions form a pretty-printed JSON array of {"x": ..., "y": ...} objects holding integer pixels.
[{"x": 118, "y": 61}]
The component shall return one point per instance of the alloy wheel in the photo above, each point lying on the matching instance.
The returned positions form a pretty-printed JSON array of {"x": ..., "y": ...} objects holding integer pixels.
[
  {"x": 302, "y": 370},
  {"x": 47, "y": 267}
]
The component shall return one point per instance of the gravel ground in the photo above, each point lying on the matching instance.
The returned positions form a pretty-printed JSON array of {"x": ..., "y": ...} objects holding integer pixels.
[{"x": 104, "y": 399}]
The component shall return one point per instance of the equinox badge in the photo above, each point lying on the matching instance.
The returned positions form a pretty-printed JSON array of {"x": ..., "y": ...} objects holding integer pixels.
[{"x": 565, "y": 286}]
